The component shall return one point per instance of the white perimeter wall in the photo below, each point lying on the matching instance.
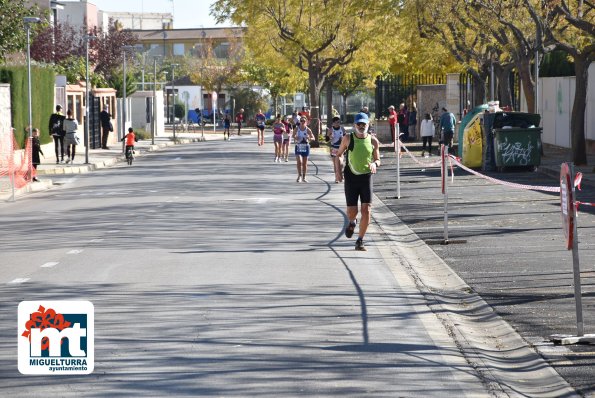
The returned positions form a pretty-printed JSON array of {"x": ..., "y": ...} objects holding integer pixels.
[{"x": 556, "y": 97}]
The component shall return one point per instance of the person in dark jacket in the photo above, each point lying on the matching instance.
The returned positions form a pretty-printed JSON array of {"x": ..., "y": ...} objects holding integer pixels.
[
  {"x": 413, "y": 121},
  {"x": 35, "y": 151},
  {"x": 106, "y": 126},
  {"x": 56, "y": 129}
]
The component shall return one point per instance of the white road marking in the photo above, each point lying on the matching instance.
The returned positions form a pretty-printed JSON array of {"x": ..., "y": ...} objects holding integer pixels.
[
  {"x": 50, "y": 264},
  {"x": 113, "y": 231},
  {"x": 96, "y": 240},
  {"x": 18, "y": 280},
  {"x": 256, "y": 200},
  {"x": 75, "y": 251}
]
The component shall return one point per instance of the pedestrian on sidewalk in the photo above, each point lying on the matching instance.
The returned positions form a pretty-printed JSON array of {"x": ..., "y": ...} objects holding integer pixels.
[
  {"x": 413, "y": 121},
  {"x": 392, "y": 121},
  {"x": 403, "y": 120},
  {"x": 278, "y": 129},
  {"x": 105, "y": 118},
  {"x": 240, "y": 120},
  {"x": 71, "y": 139},
  {"x": 447, "y": 126},
  {"x": 362, "y": 161},
  {"x": 335, "y": 134},
  {"x": 35, "y": 151},
  {"x": 260, "y": 119},
  {"x": 226, "y": 125},
  {"x": 302, "y": 135},
  {"x": 56, "y": 129},
  {"x": 427, "y": 132}
]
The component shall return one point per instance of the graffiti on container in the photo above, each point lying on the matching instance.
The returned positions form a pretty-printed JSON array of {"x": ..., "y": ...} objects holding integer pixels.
[{"x": 515, "y": 152}]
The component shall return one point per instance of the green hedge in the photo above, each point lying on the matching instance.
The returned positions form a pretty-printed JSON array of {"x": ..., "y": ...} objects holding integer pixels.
[{"x": 42, "y": 99}]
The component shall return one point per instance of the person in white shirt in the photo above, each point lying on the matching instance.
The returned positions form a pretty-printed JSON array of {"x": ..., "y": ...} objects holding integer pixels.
[
  {"x": 427, "y": 132},
  {"x": 71, "y": 140}
]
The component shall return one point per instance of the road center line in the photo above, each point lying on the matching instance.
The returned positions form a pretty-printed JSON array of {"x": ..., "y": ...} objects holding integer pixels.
[
  {"x": 18, "y": 280},
  {"x": 50, "y": 264}
]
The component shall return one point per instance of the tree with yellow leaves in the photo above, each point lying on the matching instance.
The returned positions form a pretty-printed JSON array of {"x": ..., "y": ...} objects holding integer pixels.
[{"x": 317, "y": 36}]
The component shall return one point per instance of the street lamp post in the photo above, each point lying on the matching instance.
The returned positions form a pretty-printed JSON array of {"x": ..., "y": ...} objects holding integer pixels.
[
  {"x": 173, "y": 90},
  {"x": 124, "y": 49},
  {"x": 87, "y": 38},
  {"x": 154, "y": 127},
  {"x": 28, "y": 21}
]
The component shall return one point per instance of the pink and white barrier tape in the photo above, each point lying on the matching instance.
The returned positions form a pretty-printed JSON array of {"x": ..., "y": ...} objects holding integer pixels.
[
  {"x": 505, "y": 183},
  {"x": 577, "y": 180},
  {"x": 424, "y": 164}
]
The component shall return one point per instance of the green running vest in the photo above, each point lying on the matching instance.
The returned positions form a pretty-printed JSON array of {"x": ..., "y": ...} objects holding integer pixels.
[{"x": 359, "y": 154}]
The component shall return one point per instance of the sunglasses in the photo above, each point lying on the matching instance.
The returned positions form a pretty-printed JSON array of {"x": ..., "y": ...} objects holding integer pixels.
[
  {"x": 361, "y": 125},
  {"x": 302, "y": 121}
]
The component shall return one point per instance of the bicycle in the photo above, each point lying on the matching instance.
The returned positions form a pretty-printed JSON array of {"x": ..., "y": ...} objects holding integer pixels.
[{"x": 129, "y": 155}]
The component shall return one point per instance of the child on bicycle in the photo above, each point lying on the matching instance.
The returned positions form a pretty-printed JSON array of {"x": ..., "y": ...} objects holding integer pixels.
[{"x": 130, "y": 138}]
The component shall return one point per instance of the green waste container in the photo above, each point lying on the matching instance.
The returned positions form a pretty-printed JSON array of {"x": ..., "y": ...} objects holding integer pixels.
[{"x": 517, "y": 139}]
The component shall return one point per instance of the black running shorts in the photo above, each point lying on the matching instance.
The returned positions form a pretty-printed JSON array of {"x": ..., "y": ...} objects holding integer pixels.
[{"x": 357, "y": 187}]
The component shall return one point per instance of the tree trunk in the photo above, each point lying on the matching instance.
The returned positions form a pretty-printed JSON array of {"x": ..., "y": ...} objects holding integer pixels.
[
  {"x": 276, "y": 106},
  {"x": 479, "y": 88},
  {"x": 315, "y": 83},
  {"x": 527, "y": 81},
  {"x": 329, "y": 102},
  {"x": 577, "y": 118},
  {"x": 344, "y": 114},
  {"x": 503, "y": 79}
]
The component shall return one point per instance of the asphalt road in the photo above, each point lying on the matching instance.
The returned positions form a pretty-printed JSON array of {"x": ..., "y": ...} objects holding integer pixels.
[
  {"x": 508, "y": 245},
  {"x": 213, "y": 273}
]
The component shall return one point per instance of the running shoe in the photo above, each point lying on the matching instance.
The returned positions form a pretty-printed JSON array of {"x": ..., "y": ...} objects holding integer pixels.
[
  {"x": 304, "y": 179},
  {"x": 359, "y": 245},
  {"x": 298, "y": 179},
  {"x": 350, "y": 228},
  {"x": 286, "y": 160}
]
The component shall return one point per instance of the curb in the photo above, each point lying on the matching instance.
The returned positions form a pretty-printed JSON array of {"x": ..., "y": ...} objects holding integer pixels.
[
  {"x": 42, "y": 185},
  {"x": 505, "y": 362},
  {"x": 46, "y": 184},
  {"x": 109, "y": 162}
]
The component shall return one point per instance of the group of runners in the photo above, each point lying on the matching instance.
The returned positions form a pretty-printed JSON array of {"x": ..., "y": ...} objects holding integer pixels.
[{"x": 362, "y": 158}]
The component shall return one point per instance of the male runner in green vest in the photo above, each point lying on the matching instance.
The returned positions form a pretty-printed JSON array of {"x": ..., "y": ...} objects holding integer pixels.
[{"x": 363, "y": 158}]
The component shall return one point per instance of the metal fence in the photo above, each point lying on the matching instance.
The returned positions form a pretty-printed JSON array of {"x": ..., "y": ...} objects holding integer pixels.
[
  {"x": 395, "y": 89},
  {"x": 467, "y": 94}
]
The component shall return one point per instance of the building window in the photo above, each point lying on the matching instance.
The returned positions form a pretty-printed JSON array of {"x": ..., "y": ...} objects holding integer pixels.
[
  {"x": 179, "y": 49},
  {"x": 222, "y": 51}
]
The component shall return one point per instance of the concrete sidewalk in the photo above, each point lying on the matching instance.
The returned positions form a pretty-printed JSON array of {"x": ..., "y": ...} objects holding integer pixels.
[
  {"x": 101, "y": 158},
  {"x": 506, "y": 245}
]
